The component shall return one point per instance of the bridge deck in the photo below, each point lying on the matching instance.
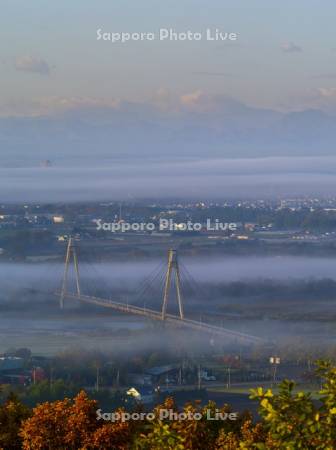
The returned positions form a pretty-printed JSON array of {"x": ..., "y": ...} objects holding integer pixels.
[{"x": 169, "y": 318}]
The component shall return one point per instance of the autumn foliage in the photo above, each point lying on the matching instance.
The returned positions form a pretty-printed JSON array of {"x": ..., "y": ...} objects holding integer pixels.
[
  {"x": 72, "y": 425},
  {"x": 289, "y": 420}
]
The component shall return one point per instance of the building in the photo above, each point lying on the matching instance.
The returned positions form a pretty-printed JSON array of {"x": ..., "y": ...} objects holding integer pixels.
[
  {"x": 11, "y": 370},
  {"x": 164, "y": 374},
  {"x": 10, "y": 363},
  {"x": 139, "y": 379}
]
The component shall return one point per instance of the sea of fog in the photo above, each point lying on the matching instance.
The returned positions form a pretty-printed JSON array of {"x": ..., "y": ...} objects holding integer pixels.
[
  {"x": 216, "y": 269},
  {"x": 50, "y": 331}
]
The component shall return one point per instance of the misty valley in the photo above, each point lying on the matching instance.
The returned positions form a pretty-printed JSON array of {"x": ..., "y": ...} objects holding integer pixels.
[{"x": 275, "y": 297}]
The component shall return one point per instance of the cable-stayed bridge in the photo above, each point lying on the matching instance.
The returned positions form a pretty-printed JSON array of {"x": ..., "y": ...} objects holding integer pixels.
[{"x": 171, "y": 280}]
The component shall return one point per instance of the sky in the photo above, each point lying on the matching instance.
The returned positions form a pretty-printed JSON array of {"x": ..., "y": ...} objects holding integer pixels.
[
  {"x": 81, "y": 102},
  {"x": 284, "y": 55}
]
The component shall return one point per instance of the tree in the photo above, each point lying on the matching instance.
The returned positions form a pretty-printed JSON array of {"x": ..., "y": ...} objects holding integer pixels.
[
  {"x": 47, "y": 426},
  {"x": 12, "y": 414},
  {"x": 161, "y": 436},
  {"x": 289, "y": 420},
  {"x": 294, "y": 420},
  {"x": 61, "y": 424},
  {"x": 72, "y": 425}
]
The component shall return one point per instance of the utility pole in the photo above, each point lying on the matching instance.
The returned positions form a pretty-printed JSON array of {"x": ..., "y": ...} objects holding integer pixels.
[
  {"x": 173, "y": 266},
  {"x": 275, "y": 361},
  {"x": 180, "y": 376},
  {"x": 274, "y": 373},
  {"x": 97, "y": 378},
  {"x": 51, "y": 377},
  {"x": 229, "y": 378},
  {"x": 199, "y": 377}
]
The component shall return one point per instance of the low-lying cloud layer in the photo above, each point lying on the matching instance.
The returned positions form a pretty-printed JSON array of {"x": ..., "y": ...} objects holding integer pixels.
[
  {"x": 198, "y": 179},
  {"x": 132, "y": 274},
  {"x": 196, "y": 145}
]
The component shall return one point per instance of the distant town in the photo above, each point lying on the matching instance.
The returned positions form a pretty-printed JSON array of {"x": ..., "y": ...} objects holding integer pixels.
[{"x": 35, "y": 232}]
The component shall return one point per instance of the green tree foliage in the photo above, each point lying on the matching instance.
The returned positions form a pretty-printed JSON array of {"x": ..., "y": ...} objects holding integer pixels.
[{"x": 295, "y": 420}]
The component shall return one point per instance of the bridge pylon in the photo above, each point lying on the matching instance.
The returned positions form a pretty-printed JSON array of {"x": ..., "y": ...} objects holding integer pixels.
[
  {"x": 70, "y": 254},
  {"x": 172, "y": 271}
]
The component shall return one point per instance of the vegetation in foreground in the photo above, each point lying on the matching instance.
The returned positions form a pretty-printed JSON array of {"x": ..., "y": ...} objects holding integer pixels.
[{"x": 288, "y": 421}]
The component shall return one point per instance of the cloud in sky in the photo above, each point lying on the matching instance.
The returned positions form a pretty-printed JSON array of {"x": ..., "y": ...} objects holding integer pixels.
[
  {"x": 327, "y": 92},
  {"x": 291, "y": 47},
  {"x": 54, "y": 105},
  {"x": 29, "y": 63},
  {"x": 202, "y": 102},
  {"x": 194, "y": 101},
  {"x": 192, "y": 98},
  {"x": 60, "y": 104}
]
